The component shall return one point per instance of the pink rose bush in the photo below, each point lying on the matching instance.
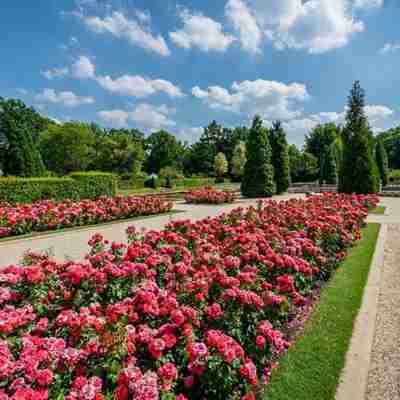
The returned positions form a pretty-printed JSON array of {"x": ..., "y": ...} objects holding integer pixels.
[
  {"x": 209, "y": 195},
  {"x": 195, "y": 311},
  {"x": 48, "y": 215}
]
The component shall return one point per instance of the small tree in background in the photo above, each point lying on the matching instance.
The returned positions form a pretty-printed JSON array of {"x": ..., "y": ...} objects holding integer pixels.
[
  {"x": 258, "y": 177},
  {"x": 381, "y": 158},
  {"x": 220, "y": 166},
  {"x": 359, "y": 173},
  {"x": 280, "y": 157},
  {"x": 239, "y": 160}
]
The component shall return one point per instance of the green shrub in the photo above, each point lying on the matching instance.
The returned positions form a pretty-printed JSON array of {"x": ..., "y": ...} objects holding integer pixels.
[
  {"x": 77, "y": 186},
  {"x": 195, "y": 182},
  {"x": 95, "y": 184},
  {"x": 29, "y": 190},
  {"x": 394, "y": 176},
  {"x": 152, "y": 182},
  {"x": 128, "y": 181}
]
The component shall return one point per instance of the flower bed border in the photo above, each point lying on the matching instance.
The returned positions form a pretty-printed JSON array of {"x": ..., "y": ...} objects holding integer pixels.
[{"x": 311, "y": 368}]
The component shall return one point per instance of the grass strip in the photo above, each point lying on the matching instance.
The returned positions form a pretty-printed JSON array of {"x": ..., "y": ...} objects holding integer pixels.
[
  {"x": 85, "y": 227},
  {"x": 311, "y": 368},
  {"x": 379, "y": 210}
]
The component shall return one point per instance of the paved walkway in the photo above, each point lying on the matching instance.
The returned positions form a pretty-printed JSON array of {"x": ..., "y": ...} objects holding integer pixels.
[
  {"x": 372, "y": 369},
  {"x": 73, "y": 244}
]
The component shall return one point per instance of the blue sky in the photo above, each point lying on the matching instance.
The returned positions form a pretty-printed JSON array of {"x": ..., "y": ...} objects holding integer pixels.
[{"x": 155, "y": 64}]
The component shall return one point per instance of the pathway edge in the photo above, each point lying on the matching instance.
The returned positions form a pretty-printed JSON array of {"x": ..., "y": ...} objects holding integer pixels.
[{"x": 354, "y": 377}]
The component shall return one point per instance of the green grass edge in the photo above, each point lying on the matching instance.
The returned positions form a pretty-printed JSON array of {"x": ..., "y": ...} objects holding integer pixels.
[
  {"x": 379, "y": 210},
  {"x": 311, "y": 368}
]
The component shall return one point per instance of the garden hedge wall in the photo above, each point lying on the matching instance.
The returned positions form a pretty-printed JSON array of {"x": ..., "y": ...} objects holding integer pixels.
[
  {"x": 139, "y": 182},
  {"x": 92, "y": 185},
  {"x": 77, "y": 186}
]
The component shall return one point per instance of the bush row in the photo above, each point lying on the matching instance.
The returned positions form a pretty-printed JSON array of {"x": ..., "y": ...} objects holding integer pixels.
[
  {"x": 77, "y": 186},
  {"x": 126, "y": 182},
  {"x": 208, "y": 195}
]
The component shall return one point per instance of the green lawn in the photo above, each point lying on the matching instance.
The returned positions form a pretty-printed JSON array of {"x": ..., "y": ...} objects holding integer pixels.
[
  {"x": 311, "y": 368},
  {"x": 379, "y": 210}
]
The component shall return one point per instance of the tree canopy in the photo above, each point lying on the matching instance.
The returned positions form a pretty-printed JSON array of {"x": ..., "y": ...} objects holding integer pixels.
[
  {"x": 19, "y": 126},
  {"x": 67, "y": 147}
]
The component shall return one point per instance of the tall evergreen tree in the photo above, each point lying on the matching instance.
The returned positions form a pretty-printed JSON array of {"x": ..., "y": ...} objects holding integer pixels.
[
  {"x": 382, "y": 162},
  {"x": 328, "y": 170},
  {"x": 17, "y": 122},
  {"x": 359, "y": 173},
  {"x": 280, "y": 157},
  {"x": 258, "y": 178}
]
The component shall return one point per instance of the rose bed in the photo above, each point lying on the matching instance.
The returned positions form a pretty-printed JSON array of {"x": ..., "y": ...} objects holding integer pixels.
[
  {"x": 47, "y": 215},
  {"x": 209, "y": 195},
  {"x": 195, "y": 311}
]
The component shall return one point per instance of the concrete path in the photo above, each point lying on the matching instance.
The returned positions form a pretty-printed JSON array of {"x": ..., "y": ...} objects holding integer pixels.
[
  {"x": 372, "y": 370},
  {"x": 72, "y": 244}
]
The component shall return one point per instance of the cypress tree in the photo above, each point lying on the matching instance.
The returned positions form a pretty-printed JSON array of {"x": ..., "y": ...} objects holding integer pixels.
[
  {"x": 328, "y": 166},
  {"x": 280, "y": 157},
  {"x": 258, "y": 177},
  {"x": 359, "y": 173},
  {"x": 382, "y": 162}
]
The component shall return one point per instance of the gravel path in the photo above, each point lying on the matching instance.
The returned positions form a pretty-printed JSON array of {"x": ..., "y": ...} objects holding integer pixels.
[{"x": 384, "y": 373}]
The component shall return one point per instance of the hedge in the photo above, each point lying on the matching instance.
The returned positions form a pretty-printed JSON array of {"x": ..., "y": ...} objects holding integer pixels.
[
  {"x": 77, "y": 186},
  {"x": 92, "y": 185},
  {"x": 139, "y": 182}
]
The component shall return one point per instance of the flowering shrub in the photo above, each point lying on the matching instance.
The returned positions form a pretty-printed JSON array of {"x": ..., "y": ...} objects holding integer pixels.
[
  {"x": 195, "y": 311},
  {"x": 47, "y": 215},
  {"x": 209, "y": 195}
]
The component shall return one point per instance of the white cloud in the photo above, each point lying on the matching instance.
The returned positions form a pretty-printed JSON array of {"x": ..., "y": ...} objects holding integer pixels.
[
  {"x": 379, "y": 117},
  {"x": 270, "y": 99},
  {"x": 83, "y": 68},
  {"x": 317, "y": 26},
  {"x": 153, "y": 118},
  {"x": 137, "y": 31},
  {"x": 55, "y": 73},
  {"x": 128, "y": 85},
  {"x": 201, "y": 32},
  {"x": 239, "y": 14},
  {"x": 66, "y": 98},
  {"x": 368, "y": 4},
  {"x": 22, "y": 91},
  {"x": 138, "y": 86},
  {"x": 145, "y": 116},
  {"x": 390, "y": 48},
  {"x": 190, "y": 135},
  {"x": 376, "y": 113},
  {"x": 116, "y": 118}
]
